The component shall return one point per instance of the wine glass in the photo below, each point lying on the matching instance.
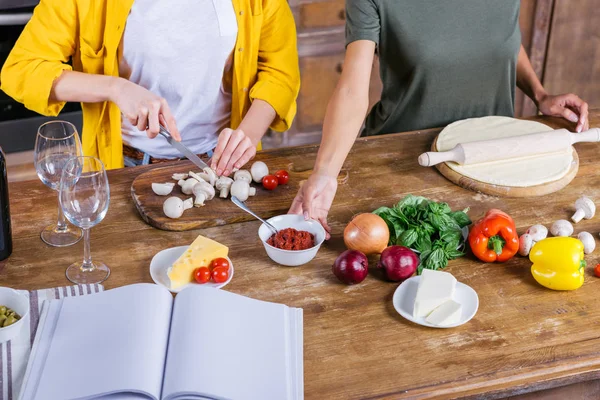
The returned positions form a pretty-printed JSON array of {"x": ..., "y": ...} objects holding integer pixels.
[
  {"x": 84, "y": 197},
  {"x": 56, "y": 142}
]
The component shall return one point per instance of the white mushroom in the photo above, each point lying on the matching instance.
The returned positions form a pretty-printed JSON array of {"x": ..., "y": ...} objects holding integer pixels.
[
  {"x": 585, "y": 209},
  {"x": 526, "y": 242},
  {"x": 251, "y": 191},
  {"x": 243, "y": 175},
  {"x": 562, "y": 227},
  {"x": 174, "y": 207},
  {"x": 200, "y": 177},
  {"x": 212, "y": 177},
  {"x": 203, "y": 191},
  {"x": 179, "y": 177},
  {"x": 589, "y": 244},
  {"x": 240, "y": 189},
  {"x": 163, "y": 189},
  {"x": 223, "y": 184},
  {"x": 259, "y": 170},
  {"x": 187, "y": 186},
  {"x": 537, "y": 232}
]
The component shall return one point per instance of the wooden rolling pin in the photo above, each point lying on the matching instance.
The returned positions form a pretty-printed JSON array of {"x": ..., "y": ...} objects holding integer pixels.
[{"x": 512, "y": 147}]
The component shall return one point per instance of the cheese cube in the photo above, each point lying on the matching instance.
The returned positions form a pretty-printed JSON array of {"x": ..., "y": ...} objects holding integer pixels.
[
  {"x": 200, "y": 253},
  {"x": 435, "y": 288},
  {"x": 448, "y": 313}
]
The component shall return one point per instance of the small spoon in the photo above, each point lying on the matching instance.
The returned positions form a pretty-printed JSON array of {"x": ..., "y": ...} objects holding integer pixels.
[{"x": 244, "y": 207}]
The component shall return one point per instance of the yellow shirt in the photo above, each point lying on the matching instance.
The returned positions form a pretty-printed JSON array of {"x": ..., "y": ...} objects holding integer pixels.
[{"x": 265, "y": 63}]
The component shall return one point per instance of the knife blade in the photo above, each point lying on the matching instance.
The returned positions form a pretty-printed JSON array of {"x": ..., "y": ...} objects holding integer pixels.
[{"x": 183, "y": 149}]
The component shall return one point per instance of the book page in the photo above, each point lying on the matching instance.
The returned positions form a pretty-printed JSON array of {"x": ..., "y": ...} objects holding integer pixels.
[
  {"x": 226, "y": 346},
  {"x": 106, "y": 343}
]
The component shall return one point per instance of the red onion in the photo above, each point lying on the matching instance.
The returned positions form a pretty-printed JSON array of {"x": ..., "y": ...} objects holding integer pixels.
[
  {"x": 351, "y": 267},
  {"x": 399, "y": 263}
]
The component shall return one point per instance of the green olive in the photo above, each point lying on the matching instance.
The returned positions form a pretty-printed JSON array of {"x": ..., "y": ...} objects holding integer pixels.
[
  {"x": 2, "y": 319},
  {"x": 3, "y": 310},
  {"x": 9, "y": 321}
]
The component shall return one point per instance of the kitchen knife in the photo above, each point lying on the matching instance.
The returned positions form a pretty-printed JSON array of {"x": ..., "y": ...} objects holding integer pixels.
[{"x": 184, "y": 150}]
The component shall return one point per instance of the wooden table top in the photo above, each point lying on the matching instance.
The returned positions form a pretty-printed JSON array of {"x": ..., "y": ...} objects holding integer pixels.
[{"x": 523, "y": 338}]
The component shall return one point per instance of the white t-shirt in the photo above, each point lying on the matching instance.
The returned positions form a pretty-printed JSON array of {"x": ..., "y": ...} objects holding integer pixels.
[{"x": 180, "y": 51}]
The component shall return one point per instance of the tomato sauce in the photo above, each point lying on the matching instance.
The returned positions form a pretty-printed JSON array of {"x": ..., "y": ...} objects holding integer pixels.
[{"x": 292, "y": 239}]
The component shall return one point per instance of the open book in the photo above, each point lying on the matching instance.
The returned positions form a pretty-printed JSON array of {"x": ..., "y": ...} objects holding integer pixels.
[{"x": 137, "y": 342}]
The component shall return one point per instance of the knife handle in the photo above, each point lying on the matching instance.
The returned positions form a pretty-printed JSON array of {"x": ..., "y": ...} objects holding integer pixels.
[{"x": 163, "y": 131}]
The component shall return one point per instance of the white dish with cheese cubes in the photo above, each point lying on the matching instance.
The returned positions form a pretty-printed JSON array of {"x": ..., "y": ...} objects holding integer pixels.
[
  {"x": 435, "y": 299},
  {"x": 174, "y": 268}
]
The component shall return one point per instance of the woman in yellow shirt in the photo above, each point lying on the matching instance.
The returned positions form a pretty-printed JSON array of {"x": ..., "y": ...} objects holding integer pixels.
[{"x": 217, "y": 73}]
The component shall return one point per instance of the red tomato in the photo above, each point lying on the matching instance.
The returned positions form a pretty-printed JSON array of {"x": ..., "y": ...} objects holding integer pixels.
[
  {"x": 282, "y": 176},
  {"x": 597, "y": 271},
  {"x": 269, "y": 182},
  {"x": 219, "y": 262},
  {"x": 202, "y": 274},
  {"x": 220, "y": 274}
]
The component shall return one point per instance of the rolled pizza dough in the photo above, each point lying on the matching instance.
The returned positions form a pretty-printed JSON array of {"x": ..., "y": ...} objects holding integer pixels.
[{"x": 516, "y": 172}]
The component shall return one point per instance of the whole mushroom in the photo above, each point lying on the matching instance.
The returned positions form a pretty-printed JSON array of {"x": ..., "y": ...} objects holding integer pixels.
[
  {"x": 589, "y": 244},
  {"x": 240, "y": 189},
  {"x": 224, "y": 184},
  {"x": 243, "y": 175},
  {"x": 259, "y": 170},
  {"x": 562, "y": 227},
  {"x": 526, "y": 242},
  {"x": 538, "y": 232},
  {"x": 585, "y": 209},
  {"x": 203, "y": 191},
  {"x": 173, "y": 207}
]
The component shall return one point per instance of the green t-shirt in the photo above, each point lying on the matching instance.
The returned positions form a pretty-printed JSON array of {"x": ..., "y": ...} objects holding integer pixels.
[{"x": 440, "y": 61}]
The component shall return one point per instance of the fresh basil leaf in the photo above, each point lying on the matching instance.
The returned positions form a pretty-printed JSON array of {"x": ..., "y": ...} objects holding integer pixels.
[
  {"x": 461, "y": 218},
  {"x": 408, "y": 237},
  {"x": 423, "y": 243},
  {"x": 451, "y": 236},
  {"x": 452, "y": 254}
]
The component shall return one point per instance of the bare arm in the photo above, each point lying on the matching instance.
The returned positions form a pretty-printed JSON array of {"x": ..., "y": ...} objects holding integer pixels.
[
  {"x": 568, "y": 106},
  {"x": 82, "y": 87},
  {"x": 346, "y": 109}
]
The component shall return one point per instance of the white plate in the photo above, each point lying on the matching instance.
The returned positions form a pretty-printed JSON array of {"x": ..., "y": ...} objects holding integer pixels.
[
  {"x": 404, "y": 302},
  {"x": 163, "y": 260}
]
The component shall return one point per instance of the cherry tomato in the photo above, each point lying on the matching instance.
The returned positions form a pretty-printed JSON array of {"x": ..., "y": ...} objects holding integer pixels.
[
  {"x": 269, "y": 182},
  {"x": 202, "y": 274},
  {"x": 219, "y": 262},
  {"x": 220, "y": 274},
  {"x": 597, "y": 271},
  {"x": 282, "y": 176}
]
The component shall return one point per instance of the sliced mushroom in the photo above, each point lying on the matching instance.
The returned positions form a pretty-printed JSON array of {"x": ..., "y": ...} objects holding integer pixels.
[
  {"x": 243, "y": 175},
  {"x": 589, "y": 243},
  {"x": 174, "y": 207},
  {"x": 259, "y": 170},
  {"x": 585, "y": 209},
  {"x": 188, "y": 185},
  {"x": 163, "y": 189},
  {"x": 179, "y": 177},
  {"x": 212, "y": 177},
  {"x": 251, "y": 191},
  {"x": 224, "y": 184},
  {"x": 203, "y": 191},
  {"x": 240, "y": 189},
  {"x": 562, "y": 227},
  {"x": 538, "y": 232}
]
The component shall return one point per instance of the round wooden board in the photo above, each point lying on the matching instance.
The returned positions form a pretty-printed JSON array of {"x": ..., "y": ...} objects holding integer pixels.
[{"x": 507, "y": 191}]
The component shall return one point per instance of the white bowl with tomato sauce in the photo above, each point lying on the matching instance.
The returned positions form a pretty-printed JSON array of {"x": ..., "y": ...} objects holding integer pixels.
[{"x": 292, "y": 258}]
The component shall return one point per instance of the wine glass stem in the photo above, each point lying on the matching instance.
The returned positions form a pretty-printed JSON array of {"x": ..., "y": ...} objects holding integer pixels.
[
  {"x": 61, "y": 224},
  {"x": 87, "y": 254}
]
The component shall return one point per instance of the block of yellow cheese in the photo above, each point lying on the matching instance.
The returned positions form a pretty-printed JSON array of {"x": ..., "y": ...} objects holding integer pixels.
[{"x": 200, "y": 253}]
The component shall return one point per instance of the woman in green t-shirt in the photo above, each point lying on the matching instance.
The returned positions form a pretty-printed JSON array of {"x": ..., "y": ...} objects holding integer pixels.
[{"x": 439, "y": 62}]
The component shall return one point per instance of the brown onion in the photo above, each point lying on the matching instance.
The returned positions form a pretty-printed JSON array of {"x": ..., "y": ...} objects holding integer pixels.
[{"x": 367, "y": 233}]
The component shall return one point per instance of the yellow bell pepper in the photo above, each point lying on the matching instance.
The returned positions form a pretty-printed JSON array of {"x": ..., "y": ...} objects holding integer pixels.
[{"x": 558, "y": 263}]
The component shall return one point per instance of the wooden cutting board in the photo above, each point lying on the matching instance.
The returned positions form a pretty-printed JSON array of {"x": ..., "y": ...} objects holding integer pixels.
[
  {"x": 507, "y": 191},
  {"x": 216, "y": 212}
]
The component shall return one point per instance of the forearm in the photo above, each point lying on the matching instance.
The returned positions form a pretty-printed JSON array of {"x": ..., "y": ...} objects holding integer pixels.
[
  {"x": 527, "y": 79},
  {"x": 257, "y": 120},
  {"x": 345, "y": 114},
  {"x": 86, "y": 88}
]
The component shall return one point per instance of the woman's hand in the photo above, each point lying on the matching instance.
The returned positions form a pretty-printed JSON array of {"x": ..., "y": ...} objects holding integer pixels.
[
  {"x": 144, "y": 109},
  {"x": 568, "y": 106},
  {"x": 314, "y": 199},
  {"x": 234, "y": 149}
]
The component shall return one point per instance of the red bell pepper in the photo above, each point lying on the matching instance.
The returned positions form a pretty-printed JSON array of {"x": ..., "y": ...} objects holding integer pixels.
[{"x": 494, "y": 237}]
